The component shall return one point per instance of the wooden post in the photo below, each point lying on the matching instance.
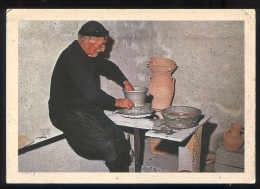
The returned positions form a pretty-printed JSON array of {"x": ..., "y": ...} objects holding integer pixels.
[
  {"x": 137, "y": 150},
  {"x": 189, "y": 156}
]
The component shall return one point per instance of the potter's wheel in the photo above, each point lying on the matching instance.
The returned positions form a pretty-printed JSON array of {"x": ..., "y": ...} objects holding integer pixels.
[{"x": 136, "y": 112}]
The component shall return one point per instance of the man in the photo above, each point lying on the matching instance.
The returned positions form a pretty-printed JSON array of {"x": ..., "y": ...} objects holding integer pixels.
[{"x": 76, "y": 104}]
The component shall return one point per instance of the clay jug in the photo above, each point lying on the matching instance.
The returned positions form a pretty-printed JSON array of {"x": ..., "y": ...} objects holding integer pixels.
[
  {"x": 232, "y": 139},
  {"x": 161, "y": 82},
  {"x": 162, "y": 89},
  {"x": 161, "y": 100}
]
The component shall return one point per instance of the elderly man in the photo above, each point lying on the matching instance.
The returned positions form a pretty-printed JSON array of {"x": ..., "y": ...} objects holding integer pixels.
[{"x": 77, "y": 103}]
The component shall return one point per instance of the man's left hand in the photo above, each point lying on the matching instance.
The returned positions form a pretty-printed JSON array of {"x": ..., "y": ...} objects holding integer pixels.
[{"x": 128, "y": 86}]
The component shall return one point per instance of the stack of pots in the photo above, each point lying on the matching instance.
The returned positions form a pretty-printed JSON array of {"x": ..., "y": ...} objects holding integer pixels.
[{"x": 161, "y": 87}]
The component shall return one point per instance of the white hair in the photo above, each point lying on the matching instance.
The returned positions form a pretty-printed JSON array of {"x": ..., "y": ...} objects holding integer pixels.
[{"x": 81, "y": 37}]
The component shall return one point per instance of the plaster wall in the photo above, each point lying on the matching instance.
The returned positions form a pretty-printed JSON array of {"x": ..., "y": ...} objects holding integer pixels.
[{"x": 210, "y": 74}]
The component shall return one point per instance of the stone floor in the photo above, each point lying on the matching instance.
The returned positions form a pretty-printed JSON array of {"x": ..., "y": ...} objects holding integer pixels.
[
  {"x": 59, "y": 157},
  {"x": 209, "y": 168},
  {"x": 166, "y": 163}
]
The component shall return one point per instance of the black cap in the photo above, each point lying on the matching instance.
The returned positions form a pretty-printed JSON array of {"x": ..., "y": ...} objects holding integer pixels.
[{"x": 93, "y": 28}]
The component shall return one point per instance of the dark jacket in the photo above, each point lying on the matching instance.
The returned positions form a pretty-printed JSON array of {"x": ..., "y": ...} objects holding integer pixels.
[{"x": 76, "y": 79}]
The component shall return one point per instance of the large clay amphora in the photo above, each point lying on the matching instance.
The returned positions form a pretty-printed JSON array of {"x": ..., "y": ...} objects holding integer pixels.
[
  {"x": 161, "y": 87},
  {"x": 232, "y": 139},
  {"x": 161, "y": 82}
]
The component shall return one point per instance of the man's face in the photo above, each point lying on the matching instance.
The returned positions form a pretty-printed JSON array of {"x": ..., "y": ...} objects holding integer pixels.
[{"x": 94, "y": 45}]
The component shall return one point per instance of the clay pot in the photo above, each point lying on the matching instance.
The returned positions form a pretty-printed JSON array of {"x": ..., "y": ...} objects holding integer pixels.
[
  {"x": 162, "y": 67},
  {"x": 161, "y": 87},
  {"x": 232, "y": 139},
  {"x": 137, "y": 96},
  {"x": 161, "y": 63},
  {"x": 160, "y": 59},
  {"x": 169, "y": 64}
]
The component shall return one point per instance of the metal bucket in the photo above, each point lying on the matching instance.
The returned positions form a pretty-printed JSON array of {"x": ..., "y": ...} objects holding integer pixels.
[
  {"x": 137, "y": 96},
  {"x": 181, "y": 117}
]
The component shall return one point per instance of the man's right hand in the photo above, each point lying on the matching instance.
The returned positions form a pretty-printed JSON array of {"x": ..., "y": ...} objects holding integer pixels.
[{"x": 124, "y": 103}]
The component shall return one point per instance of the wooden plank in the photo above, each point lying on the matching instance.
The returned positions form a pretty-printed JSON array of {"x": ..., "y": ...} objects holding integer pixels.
[
  {"x": 178, "y": 135},
  {"x": 234, "y": 159},
  {"x": 185, "y": 160},
  {"x": 197, "y": 150},
  {"x": 41, "y": 140},
  {"x": 41, "y": 143},
  {"x": 225, "y": 168},
  {"x": 195, "y": 147},
  {"x": 137, "y": 150},
  {"x": 189, "y": 156}
]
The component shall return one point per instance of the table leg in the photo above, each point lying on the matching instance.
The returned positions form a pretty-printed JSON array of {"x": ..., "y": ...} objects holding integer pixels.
[
  {"x": 137, "y": 150},
  {"x": 189, "y": 155}
]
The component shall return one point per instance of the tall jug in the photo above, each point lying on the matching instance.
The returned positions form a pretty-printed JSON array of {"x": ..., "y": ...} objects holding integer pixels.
[{"x": 161, "y": 87}]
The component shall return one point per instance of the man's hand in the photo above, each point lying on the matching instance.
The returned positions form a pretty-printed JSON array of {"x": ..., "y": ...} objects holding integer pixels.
[
  {"x": 124, "y": 103},
  {"x": 128, "y": 86}
]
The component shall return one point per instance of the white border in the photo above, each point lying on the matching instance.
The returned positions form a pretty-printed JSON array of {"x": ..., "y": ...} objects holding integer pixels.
[{"x": 13, "y": 16}]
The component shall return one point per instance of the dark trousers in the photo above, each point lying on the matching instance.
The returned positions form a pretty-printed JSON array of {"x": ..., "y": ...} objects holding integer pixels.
[{"x": 92, "y": 135}]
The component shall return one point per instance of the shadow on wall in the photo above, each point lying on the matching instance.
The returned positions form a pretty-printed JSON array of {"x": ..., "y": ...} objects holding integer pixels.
[
  {"x": 106, "y": 55},
  {"x": 109, "y": 47}
]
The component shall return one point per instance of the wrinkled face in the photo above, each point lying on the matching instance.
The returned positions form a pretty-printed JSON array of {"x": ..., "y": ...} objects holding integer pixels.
[{"x": 94, "y": 45}]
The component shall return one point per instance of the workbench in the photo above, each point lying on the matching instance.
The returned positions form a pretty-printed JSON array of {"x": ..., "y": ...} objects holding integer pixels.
[{"x": 189, "y": 151}]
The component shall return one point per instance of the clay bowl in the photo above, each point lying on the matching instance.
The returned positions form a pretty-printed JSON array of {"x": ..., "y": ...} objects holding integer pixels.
[
  {"x": 137, "y": 96},
  {"x": 157, "y": 69},
  {"x": 181, "y": 117},
  {"x": 160, "y": 59},
  {"x": 162, "y": 63}
]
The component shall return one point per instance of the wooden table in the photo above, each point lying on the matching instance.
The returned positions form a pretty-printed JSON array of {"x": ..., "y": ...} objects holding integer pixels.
[{"x": 189, "y": 152}]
